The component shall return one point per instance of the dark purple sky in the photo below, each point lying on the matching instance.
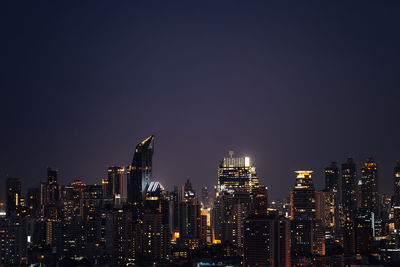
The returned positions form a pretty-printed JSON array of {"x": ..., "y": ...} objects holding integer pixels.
[{"x": 294, "y": 85}]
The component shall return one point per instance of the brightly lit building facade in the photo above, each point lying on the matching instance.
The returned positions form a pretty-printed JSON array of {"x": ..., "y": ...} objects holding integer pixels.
[
  {"x": 303, "y": 196},
  {"x": 235, "y": 173}
]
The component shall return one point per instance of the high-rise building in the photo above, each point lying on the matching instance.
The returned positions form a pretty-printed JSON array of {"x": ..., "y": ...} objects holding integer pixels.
[
  {"x": 236, "y": 173},
  {"x": 332, "y": 177},
  {"x": 260, "y": 201},
  {"x": 140, "y": 172},
  {"x": 396, "y": 180},
  {"x": 396, "y": 197},
  {"x": 307, "y": 209},
  {"x": 266, "y": 241},
  {"x": 115, "y": 184},
  {"x": 349, "y": 188},
  {"x": 369, "y": 187},
  {"x": 13, "y": 193},
  {"x": 33, "y": 202},
  {"x": 303, "y": 196},
  {"x": 156, "y": 231},
  {"x": 349, "y": 204},
  {"x": 52, "y": 176},
  {"x": 205, "y": 198}
]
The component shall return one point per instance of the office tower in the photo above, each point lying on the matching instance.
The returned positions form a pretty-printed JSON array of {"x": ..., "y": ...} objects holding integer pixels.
[
  {"x": 396, "y": 180},
  {"x": 13, "y": 194},
  {"x": 220, "y": 216},
  {"x": 140, "y": 172},
  {"x": 188, "y": 190},
  {"x": 240, "y": 205},
  {"x": 260, "y": 201},
  {"x": 396, "y": 197},
  {"x": 115, "y": 184},
  {"x": 205, "y": 198},
  {"x": 349, "y": 201},
  {"x": 156, "y": 233},
  {"x": 301, "y": 233},
  {"x": 369, "y": 187},
  {"x": 332, "y": 177},
  {"x": 307, "y": 236},
  {"x": 363, "y": 234},
  {"x": 303, "y": 196},
  {"x": 52, "y": 185},
  {"x": 266, "y": 241},
  {"x": 190, "y": 219},
  {"x": 120, "y": 237},
  {"x": 330, "y": 216},
  {"x": 33, "y": 202},
  {"x": 235, "y": 173}
]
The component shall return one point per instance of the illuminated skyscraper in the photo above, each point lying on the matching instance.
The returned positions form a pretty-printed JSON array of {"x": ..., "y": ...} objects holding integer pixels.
[
  {"x": 140, "y": 172},
  {"x": 332, "y": 177},
  {"x": 236, "y": 173},
  {"x": 307, "y": 236},
  {"x": 303, "y": 196},
  {"x": 369, "y": 187},
  {"x": 115, "y": 185}
]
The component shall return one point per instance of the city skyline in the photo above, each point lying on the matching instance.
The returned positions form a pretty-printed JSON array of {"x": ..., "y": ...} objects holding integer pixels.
[{"x": 320, "y": 182}]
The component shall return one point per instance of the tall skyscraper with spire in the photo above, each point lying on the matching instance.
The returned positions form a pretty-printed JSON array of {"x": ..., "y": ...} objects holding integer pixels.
[{"x": 140, "y": 172}]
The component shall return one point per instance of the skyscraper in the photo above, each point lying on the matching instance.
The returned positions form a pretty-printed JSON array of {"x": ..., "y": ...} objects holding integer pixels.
[
  {"x": 236, "y": 173},
  {"x": 266, "y": 241},
  {"x": 349, "y": 202},
  {"x": 369, "y": 187},
  {"x": 396, "y": 196},
  {"x": 396, "y": 180},
  {"x": 52, "y": 185},
  {"x": 332, "y": 177},
  {"x": 303, "y": 196},
  {"x": 13, "y": 193},
  {"x": 156, "y": 232},
  {"x": 115, "y": 185},
  {"x": 140, "y": 172}
]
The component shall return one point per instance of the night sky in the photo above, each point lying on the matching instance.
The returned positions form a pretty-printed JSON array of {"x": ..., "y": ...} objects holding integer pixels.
[{"x": 293, "y": 85}]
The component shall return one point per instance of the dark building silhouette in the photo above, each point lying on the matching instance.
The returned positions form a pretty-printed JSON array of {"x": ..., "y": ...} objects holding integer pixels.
[
  {"x": 349, "y": 202},
  {"x": 396, "y": 197},
  {"x": 115, "y": 182},
  {"x": 52, "y": 184},
  {"x": 13, "y": 193},
  {"x": 156, "y": 231},
  {"x": 266, "y": 241},
  {"x": 332, "y": 177},
  {"x": 260, "y": 201},
  {"x": 369, "y": 187},
  {"x": 140, "y": 172}
]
